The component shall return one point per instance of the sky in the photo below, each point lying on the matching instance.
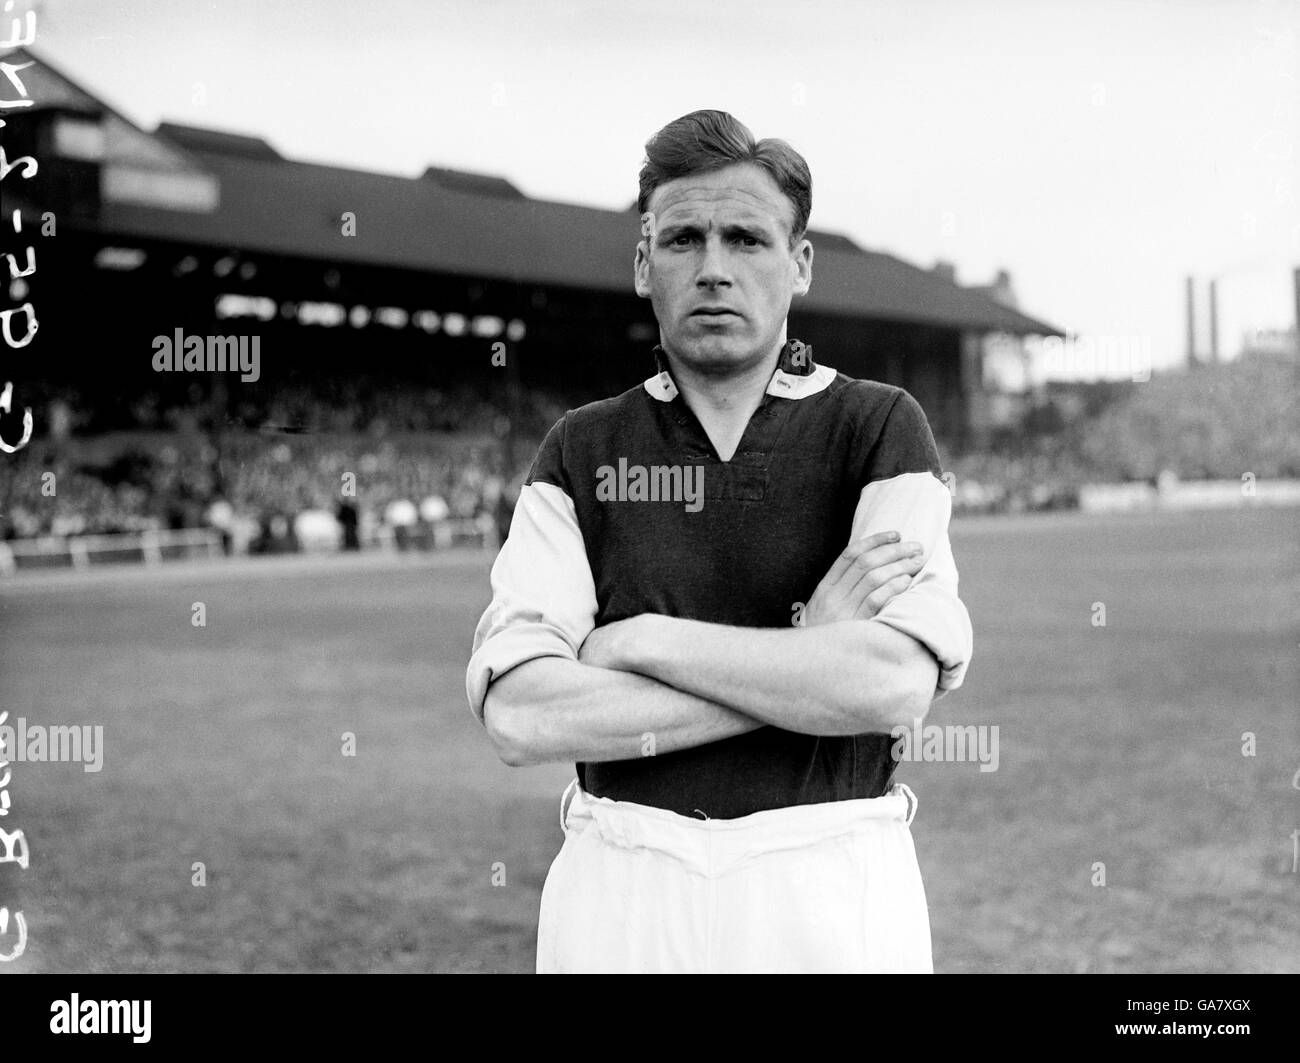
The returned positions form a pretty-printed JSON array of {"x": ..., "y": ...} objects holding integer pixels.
[{"x": 1100, "y": 151}]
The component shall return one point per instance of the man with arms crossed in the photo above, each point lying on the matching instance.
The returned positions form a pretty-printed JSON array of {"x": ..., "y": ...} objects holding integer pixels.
[{"x": 734, "y": 807}]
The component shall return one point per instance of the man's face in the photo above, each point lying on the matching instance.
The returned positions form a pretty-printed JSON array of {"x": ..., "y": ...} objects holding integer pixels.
[{"x": 719, "y": 269}]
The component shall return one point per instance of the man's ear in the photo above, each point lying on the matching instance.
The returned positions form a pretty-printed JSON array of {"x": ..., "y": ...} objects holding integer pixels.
[
  {"x": 641, "y": 270},
  {"x": 802, "y": 257}
]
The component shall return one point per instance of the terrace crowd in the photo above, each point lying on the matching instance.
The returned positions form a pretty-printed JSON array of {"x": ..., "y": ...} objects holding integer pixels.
[{"x": 422, "y": 468}]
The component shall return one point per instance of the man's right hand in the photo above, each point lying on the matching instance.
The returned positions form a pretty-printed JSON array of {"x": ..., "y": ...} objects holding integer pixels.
[{"x": 864, "y": 578}]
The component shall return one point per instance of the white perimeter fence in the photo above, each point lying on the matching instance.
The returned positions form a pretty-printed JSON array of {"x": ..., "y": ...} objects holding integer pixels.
[{"x": 79, "y": 552}]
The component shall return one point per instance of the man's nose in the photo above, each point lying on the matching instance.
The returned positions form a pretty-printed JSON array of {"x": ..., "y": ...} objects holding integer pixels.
[{"x": 714, "y": 269}]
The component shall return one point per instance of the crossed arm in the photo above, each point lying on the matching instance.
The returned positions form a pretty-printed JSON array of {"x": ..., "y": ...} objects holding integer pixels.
[
  {"x": 883, "y": 634},
  {"x": 687, "y": 682},
  {"x": 554, "y": 709}
]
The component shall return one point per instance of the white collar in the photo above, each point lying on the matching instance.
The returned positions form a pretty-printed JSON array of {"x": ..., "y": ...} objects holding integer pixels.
[{"x": 790, "y": 380}]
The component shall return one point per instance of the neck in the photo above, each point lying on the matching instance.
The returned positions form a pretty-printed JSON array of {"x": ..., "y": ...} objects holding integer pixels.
[{"x": 734, "y": 394}]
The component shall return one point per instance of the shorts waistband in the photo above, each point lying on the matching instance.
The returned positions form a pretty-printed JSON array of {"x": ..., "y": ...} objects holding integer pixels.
[{"x": 711, "y": 843}]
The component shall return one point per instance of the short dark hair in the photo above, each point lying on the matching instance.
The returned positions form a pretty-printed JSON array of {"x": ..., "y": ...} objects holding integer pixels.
[{"x": 710, "y": 140}]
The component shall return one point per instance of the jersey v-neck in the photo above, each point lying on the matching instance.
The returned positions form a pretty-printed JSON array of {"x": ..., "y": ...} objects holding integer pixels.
[{"x": 743, "y": 476}]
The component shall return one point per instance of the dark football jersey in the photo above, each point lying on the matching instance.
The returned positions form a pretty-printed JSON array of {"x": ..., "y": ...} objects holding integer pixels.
[{"x": 628, "y": 509}]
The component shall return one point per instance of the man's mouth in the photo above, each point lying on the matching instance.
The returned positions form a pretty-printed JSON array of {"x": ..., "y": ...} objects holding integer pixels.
[{"x": 714, "y": 312}]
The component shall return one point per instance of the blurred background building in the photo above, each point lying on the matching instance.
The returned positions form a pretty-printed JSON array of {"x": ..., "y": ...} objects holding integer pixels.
[{"x": 417, "y": 336}]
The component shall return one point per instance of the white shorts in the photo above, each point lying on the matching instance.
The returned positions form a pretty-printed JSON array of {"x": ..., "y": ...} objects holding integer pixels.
[{"x": 831, "y": 887}]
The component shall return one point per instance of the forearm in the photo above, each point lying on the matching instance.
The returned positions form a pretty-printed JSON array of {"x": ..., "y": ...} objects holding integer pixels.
[
  {"x": 849, "y": 677},
  {"x": 554, "y": 709}
]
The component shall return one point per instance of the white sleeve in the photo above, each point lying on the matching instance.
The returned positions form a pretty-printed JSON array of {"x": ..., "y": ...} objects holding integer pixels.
[
  {"x": 543, "y": 594},
  {"x": 918, "y": 506}
]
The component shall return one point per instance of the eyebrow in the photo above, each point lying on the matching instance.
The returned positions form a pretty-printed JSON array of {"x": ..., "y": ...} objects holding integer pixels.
[{"x": 756, "y": 229}]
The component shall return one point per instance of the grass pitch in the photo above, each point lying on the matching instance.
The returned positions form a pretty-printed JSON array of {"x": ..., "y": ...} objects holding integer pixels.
[{"x": 1118, "y": 746}]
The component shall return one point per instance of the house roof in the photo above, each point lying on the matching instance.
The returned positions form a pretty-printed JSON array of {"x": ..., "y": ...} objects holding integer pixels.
[
  {"x": 453, "y": 222},
  {"x": 450, "y": 222},
  {"x": 212, "y": 140}
]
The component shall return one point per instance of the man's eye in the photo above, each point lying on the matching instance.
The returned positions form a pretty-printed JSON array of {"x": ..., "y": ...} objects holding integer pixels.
[
  {"x": 749, "y": 241},
  {"x": 682, "y": 240}
]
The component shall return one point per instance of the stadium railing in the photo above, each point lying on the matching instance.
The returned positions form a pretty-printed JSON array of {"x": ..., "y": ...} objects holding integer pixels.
[
  {"x": 83, "y": 551},
  {"x": 155, "y": 547}
]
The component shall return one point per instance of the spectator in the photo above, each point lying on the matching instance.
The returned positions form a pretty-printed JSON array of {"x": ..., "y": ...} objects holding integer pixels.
[
  {"x": 349, "y": 519},
  {"x": 434, "y": 511},
  {"x": 401, "y": 515},
  {"x": 221, "y": 516}
]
